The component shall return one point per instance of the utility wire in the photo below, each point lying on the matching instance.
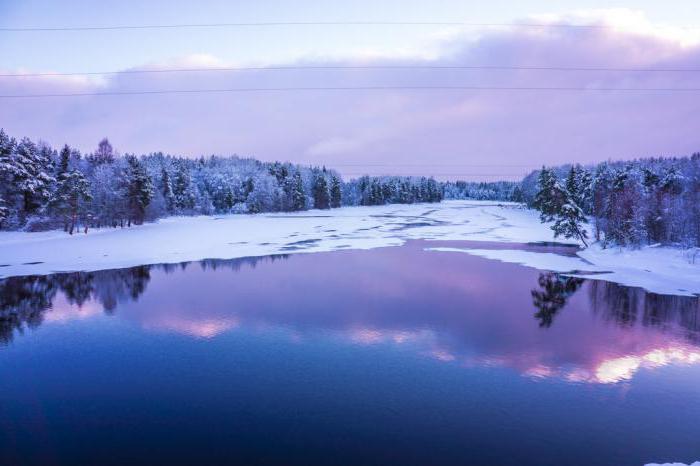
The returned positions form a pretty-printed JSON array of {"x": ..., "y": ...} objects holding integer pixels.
[
  {"x": 357, "y": 88},
  {"x": 351, "y": 67},
  {"x": 312, "y": 23}
]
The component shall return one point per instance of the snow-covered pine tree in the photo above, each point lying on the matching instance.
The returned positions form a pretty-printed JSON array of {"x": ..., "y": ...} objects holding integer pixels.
[
  {"x": 298, "y": 195},
  {"x": 167, "y": 190},
  {"x": 623, "y": 208},
  {"x": 573, "y": 186},
  {"x": 139, "y": 190},
  {"x": 617, "y": 225},
  {"x": 31, "y": 175},
  {"x": 562, "y": 205},
  {"x": 671, "y": 186},
  {"x": 569, "y": 221},
  {"x": 600, "y": 187},
  {"x": 182, "y": 190},
  {"x": 550, "y": 197},
  {"x": 7, "y": 148},
  {"x": 59, "y": 204},
  {"x": 653, "y": 205},
  {"x": 376, "y": 196},
  {"x": 320, "y": 191},
  {"x": 336, "y": 192},
  {"x": 70, "y": 198},
  {"x": 3, "y": 210},
  {"x": 585, "y": 184},
  {"x": 63, "y": 161}
]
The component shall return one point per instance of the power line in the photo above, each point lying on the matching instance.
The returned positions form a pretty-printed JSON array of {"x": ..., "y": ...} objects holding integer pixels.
[
  {"x": 352, "y": 67},
  {"x": 313, "y": 23},
  {"x": 356, "y": 88}
]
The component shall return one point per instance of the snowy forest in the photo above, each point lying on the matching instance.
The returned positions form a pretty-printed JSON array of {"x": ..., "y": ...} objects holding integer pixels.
[
  {"x": 639, "y": 202},
  {"x": 43, "y": 188},
  {"x": 644, "y": 201},
  {"x": 483, "y": 190}
]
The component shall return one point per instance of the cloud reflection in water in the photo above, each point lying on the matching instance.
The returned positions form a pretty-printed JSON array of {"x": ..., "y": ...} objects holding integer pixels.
[{"x": 540, "y": 324}]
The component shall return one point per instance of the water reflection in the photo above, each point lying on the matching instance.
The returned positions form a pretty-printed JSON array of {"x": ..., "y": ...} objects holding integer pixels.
[
  {"x": 626, "y": 307},
  {"x": 456, "y": 309},
  {"x": 25, "y": 300},
  {"x": 551, "y": 296}
]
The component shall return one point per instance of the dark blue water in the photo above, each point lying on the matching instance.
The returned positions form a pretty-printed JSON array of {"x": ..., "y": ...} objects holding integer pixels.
[{"x": 388, "y": 356}]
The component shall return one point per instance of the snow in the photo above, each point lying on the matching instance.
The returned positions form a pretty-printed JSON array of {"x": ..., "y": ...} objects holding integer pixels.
[
  {"x": 661, "y": 270},
  {"x": 181, "y": 239},
  {"x": 656, "y": 269},
  {"x": 697, "y": 463},
  {"x": 537, "y": 260}
]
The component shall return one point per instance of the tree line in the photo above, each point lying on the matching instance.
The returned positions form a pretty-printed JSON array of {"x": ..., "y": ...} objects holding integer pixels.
[
  {"x": 43, "y": 188},
  {"x": 639, "y": 202},
  {"x": 484, "y": 190},
  {"x": 645, "y": 201}
]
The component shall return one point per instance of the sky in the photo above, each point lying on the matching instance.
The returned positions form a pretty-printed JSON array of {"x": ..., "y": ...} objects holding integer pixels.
[{"x": 448, "y": 133}]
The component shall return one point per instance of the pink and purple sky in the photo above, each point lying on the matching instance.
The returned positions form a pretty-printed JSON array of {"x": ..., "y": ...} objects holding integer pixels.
[{"x": 477, "y": 134}]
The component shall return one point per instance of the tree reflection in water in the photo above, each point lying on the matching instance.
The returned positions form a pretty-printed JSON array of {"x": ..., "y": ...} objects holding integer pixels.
[
  {"x": 552, "y": 295},
  {"x": 626, "y": 307},
  {"x": 618, "y": 304},
  {"x": 24, "y": 300}
]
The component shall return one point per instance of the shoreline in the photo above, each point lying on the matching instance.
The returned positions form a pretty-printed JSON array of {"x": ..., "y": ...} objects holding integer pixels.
[{"x": 662, "y": 270}]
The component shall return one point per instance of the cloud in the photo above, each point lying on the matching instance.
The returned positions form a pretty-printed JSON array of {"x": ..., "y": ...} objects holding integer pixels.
[{"x": 403, "y": 127}]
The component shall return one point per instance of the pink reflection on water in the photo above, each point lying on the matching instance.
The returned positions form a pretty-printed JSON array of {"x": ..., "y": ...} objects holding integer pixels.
[
  {"x": 202, "y": 328},
  {"x": 62, "y": 311},
  {"x": 453, "y": 308}
]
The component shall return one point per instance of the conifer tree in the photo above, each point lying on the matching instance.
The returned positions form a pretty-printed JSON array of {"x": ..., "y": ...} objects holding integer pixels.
[
  {"x": 3, "y": 210},
  {"x": 69, "y": 199},
  {"x": 7, "y": 161},
  {"x": 585, "y": 190},
  {"x": 550, "y": 196},
  {"x": 562, "y": 205},
  {"x": 31, "y": 175},
  {"x": 320, "y": 192},
  {"x": 298, "y": 196},
  {"x": 63, "y": 160},
  {"x": 167, "y": 190},
  {"x": 600, "y": 187},
  {"x": 336, "y": 193},
  {"x": 569, "y": 222},
  {"x": 7, "y": 148},
  {"x": 184, "y": 199},
  {"x": 573, "y": 186},
  {"x": 139, "y": 190},
  {"x": 59, "y": 203}
]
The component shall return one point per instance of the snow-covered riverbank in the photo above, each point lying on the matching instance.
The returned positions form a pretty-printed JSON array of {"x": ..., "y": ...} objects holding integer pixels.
[
  {"x": 656, "y": 269},
  {"x": 181, "y": 239}
]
